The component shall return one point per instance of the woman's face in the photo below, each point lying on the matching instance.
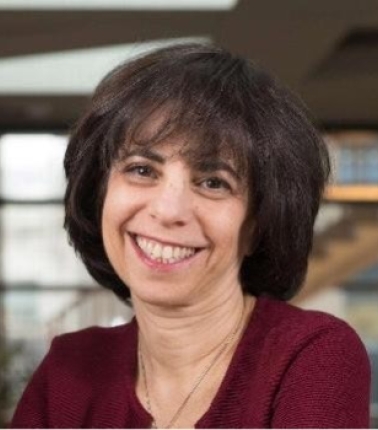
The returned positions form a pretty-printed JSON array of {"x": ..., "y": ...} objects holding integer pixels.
[{"x": 172, "y": 231}]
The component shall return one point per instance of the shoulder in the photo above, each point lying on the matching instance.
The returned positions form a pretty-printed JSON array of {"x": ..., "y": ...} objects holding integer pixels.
[
  {"x": 279, "y": 316},
  {"x": 83, "y": 372},
  {"x": 94, "y": 334},
  {"x": 92, "y": 346},
  {"x": 316, "y": 365},
  {"x": 293, "y": 331}
]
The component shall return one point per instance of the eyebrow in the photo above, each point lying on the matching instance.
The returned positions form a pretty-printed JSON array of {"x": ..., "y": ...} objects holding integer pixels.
[
  {"x": 145, "y": 153},
  {"x": 215, "y": 165},
  {"x": 204, "y": 166}
]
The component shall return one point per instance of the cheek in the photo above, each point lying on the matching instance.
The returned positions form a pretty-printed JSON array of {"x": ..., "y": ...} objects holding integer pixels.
[
  {"x": 108, "y": 226},
  {"x": 115, "y": 213},
  {"x": 119, "y": 205},
  {"x": 226, "y": 226},
  {"x": 114, "y": 216},
  {"x": 110, "y": 213}
]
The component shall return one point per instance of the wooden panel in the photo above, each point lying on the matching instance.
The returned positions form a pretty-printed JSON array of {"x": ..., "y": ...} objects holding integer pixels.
[{"x": 352, "y": 193}]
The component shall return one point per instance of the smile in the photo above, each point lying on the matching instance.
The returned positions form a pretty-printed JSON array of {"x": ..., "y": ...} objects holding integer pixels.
[{"x": 161, "y": 253}]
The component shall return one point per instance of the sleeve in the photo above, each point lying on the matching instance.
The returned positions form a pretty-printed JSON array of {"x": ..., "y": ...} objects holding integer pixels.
[
  {"x": 32, "y": 409},
  {"x": 327, "y": 384}
]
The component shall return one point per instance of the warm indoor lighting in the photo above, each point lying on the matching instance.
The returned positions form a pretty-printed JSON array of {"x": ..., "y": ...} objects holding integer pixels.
[
  {"x": 118, "y": 4},
  {"x": 73, "y": 72}
]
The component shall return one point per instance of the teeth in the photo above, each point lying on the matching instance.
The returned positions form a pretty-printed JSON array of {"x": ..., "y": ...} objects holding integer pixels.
[
  {"x": 163, "y": 254},
  {"x": 156, "y": 251},
  {"x": 167, "y": 252},
  {"x": 149, "y": 245},
  {"x": 176, "y": 252}
]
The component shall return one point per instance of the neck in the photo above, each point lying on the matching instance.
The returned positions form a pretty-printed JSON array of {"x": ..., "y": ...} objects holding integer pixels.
[
  {"x": 184, "y": 353},
  {"x": 176, "y": 341}
]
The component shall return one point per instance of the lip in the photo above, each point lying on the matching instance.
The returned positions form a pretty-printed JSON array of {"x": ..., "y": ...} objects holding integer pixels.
[
  {"x": 167, "y": 242},
  {"x": 163, "y": 267}
]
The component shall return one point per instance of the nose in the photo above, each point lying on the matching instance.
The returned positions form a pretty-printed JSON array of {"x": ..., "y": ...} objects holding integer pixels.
[{"x": 172, "y": 203}]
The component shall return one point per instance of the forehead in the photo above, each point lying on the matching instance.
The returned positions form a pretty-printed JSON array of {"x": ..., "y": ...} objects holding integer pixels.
[
  {"x": 192, "y": 138},
  {"x": 179, "y": 149}
]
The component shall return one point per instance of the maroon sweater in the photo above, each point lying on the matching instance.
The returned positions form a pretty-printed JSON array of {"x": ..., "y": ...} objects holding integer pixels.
[{"x": 291, "y": 369}]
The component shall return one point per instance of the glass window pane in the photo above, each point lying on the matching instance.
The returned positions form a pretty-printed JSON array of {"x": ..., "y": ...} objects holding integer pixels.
[
  {"x": 35, "y": 248},
  {"x": 31, "y": 166}
]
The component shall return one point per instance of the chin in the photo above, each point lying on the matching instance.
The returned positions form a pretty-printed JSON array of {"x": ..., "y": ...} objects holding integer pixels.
[{"x": 162, "y": 297}]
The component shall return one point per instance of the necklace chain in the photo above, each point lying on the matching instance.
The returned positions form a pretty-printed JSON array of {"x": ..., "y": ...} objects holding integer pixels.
[{"x": 198, "y": 382}]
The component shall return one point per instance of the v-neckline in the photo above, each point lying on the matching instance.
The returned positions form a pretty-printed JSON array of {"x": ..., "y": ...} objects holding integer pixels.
[{"x": 147, "y": 418}]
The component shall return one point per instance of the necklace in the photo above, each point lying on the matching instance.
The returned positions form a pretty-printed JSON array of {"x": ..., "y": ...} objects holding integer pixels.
[{"x": 199, "y": 380}]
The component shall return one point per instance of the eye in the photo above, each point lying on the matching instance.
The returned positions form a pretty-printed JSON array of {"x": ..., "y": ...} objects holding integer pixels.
[
  {"x": 141, "y": 170},
  {"x": 138, "y": 171},
  {"x": 215, "y": 185}
]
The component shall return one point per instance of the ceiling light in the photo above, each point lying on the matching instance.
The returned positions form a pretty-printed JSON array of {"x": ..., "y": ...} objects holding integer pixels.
[
  {"x": 118, "y": 4},
  {"x": 75, "y": 72}
]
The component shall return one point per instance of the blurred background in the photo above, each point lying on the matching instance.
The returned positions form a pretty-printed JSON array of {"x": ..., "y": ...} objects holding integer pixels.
[{"x": 52, "y": 55}]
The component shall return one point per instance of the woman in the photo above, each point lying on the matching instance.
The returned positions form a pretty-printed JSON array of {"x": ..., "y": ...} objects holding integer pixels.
[{"x": 193, "y": 183}]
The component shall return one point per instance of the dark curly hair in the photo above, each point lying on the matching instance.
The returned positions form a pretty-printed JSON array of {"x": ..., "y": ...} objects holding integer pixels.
[{"x": 221, "y": 102}]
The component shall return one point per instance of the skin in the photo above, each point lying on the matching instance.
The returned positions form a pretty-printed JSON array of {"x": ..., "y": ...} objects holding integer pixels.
[{"x": 186, "y": 309}]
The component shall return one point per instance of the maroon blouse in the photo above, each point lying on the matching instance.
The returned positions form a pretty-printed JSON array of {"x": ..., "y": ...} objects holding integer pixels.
[{"x": 291, "y": 369}]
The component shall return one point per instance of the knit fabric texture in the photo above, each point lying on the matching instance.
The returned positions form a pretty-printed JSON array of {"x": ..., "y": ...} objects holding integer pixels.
[{"x": 292, "y": 369}]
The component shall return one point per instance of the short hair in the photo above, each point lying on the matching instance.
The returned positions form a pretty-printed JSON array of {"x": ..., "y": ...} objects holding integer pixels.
[{"x": 220, "y": 102}]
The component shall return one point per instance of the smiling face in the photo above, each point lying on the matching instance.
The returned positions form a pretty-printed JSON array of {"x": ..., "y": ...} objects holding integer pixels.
[{"x": 172, "y": 231}]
